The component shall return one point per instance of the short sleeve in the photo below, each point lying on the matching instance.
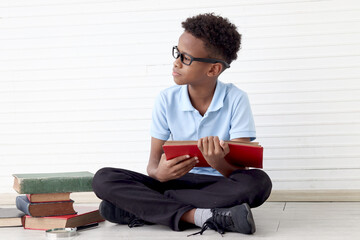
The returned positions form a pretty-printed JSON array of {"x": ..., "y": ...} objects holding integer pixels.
[
  {"x": 242, "y": 120},
  {"x": 159, "y": 126}
]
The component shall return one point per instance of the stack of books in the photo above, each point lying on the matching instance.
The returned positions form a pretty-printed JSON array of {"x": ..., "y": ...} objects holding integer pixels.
[{"x": 46, "y": 200}]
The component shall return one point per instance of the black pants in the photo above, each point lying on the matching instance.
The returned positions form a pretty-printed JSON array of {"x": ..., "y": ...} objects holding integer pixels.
[{"x": 165, "y": 203}]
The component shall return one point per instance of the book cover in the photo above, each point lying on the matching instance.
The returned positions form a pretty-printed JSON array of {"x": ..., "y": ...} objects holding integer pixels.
[
  {"x": 241, "y": 154},
  {"x": 45, "y": 208},
  {"x": 10, "y": 217},
  {"x": 53, "y": 182},
  {"x": 48, "y": 197},
  {"x": 84, "y": 217}
]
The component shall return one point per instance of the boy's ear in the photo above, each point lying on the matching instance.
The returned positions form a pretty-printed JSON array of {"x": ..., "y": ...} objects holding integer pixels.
[{"x": 215, "y": 70}]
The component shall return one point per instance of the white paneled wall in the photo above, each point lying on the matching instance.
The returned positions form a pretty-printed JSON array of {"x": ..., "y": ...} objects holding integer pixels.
[{"x": 78, "y": 79}]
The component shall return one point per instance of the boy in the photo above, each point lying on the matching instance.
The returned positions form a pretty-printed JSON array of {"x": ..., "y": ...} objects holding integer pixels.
[{"x": 199, "y": 107}]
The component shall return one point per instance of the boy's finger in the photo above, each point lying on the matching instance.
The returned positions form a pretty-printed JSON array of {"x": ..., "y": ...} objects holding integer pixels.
[
  {"x": 199, "y": 144},
  {"x": 182, "y": 158},
  {"x": 211, "y": 146},
  {"x": 218, "y": 148},
  {"x": 225, "y": 147},
  {"x": 185, "y": 164},
  {"x": 205, "y": 145},
  {"x": 163, "y": 157},
  {"x": 178, "y": 159},
  {"x": 182, "y": 171}
]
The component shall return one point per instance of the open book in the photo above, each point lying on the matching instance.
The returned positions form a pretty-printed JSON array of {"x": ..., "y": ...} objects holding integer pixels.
[{"x": 241, "y": 154}]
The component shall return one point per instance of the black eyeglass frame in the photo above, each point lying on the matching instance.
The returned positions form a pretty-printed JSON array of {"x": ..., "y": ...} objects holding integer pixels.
[{"x": 206, "y": 60}]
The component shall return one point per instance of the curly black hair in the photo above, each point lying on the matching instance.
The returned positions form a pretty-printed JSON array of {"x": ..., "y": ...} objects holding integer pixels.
[{"x": 220, "y": 36}]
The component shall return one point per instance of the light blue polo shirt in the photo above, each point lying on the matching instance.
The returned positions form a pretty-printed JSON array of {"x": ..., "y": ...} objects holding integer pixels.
[{"x": 229, "y": 116}]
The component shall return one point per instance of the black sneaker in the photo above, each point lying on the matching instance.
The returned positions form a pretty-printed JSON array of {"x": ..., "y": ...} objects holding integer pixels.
[
  {"x": 235, "y": 219},
  {"x": 116, "y": 215}
]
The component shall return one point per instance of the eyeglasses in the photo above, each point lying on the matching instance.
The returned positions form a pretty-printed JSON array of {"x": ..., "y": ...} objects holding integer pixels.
[{"x": 188, "y": 59}]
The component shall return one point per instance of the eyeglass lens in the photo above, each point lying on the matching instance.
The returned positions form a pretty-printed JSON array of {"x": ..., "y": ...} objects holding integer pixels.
[{"x": 185, "y": 58}]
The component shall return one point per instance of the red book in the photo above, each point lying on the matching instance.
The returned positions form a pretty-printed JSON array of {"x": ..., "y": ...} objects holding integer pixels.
[
  {"x": 241, "y": 154},
  {"x": 84, "y": 217}
]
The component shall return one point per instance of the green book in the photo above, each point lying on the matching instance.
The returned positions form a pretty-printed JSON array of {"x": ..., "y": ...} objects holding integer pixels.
[{"x": 30, "y": 183}]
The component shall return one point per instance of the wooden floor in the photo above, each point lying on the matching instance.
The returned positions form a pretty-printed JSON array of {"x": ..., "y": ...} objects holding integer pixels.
[{"x": 274, "y": 220}]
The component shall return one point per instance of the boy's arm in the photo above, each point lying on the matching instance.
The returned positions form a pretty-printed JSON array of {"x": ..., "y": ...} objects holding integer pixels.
[
  {"x": 243, "y": 140},
  {"x": 165, "y": 170},
  {"x": 214, "y": 152}
]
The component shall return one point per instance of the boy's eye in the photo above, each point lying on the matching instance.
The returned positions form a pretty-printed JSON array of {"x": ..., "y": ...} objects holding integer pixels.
[{"x": 186, "y": 58}]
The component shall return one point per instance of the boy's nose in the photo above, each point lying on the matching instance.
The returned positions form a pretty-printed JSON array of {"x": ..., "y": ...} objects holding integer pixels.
[{"x": 177, "y": 63}]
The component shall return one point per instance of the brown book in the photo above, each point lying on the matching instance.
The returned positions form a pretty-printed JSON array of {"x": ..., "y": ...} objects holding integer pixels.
[
  {"x": 44, "y": 208},
  {"x": 10, "y": 217},
  {"x": 48, "y": 197},
  {"x": 241, "y": 154},
  {"x": 84, "y": 217}
]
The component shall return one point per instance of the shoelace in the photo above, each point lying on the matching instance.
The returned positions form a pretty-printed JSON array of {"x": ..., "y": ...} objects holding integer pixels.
[
  {"x": 136, "y": 222},
  {"x": 209, "y": 224}
]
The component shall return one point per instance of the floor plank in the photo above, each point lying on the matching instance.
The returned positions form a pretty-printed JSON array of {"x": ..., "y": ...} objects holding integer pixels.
[{"x": 274, "y": 220}]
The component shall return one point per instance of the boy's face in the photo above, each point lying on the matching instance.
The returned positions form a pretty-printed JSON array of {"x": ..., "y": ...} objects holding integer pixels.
[{"x": 196, "y": 73}]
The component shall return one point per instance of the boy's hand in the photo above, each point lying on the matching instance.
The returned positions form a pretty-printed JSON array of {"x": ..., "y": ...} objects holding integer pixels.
[
  {"x": 174, "y": 168},
  {"x": 213, "y": 150}
]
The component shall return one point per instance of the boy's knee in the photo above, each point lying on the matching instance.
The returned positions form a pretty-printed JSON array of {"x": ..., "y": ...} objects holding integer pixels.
[
  {"x": 263, "y": 185},
  {"x": 255, "y": 178},
  {"x": 257, "y": 188},
  {"x": 263, "y": 179},
  {"x": 99, "y": 179}
]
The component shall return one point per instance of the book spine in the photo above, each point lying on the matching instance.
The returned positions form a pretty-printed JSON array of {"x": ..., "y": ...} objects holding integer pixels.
[
  {"x": 48, "y": 197},
  {"x": 22, "y": 203},
  {"x": 55, "y": 185}
]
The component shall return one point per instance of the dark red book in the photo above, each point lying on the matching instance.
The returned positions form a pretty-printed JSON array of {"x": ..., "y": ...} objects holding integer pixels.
[
  {"x": 85, "y": 216},
  {"x": 241, "y": 154}
]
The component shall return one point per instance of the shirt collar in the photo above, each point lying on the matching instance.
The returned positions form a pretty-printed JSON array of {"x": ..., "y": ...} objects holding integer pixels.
[
  {"x": 184, "y": 101},
  {"x": 216, "y": 103}
]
